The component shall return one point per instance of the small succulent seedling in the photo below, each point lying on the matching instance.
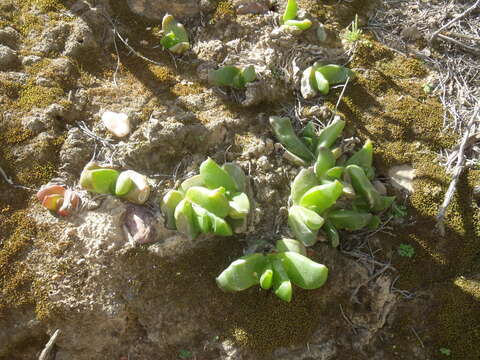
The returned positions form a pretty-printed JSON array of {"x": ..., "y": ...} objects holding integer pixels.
[
  {"x": 232, "y": 76},
  {"x": 328, "y": 178},
  {"x": 318, "y": 79},
  {"x": 289, "y": 18},
  {"x": 128, "y": 185},
  {"x": 406, "y": 250},
  {"x": 58, "y": 199},
  {"x": 445, "y": 351},
  {"x": 278, "y": 270},
  {"x": 212, "y": 202},
  {"x": 175, "y": 37}
]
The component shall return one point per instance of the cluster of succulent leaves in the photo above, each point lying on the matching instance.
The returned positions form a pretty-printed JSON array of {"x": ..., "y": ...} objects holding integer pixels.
[
  {"x": 175, "y": 37},
  {"x": 278, "y": 271},
  {"x": 129, "y": 185},
  {"x": 336, "y": 192},
  {"x": 212, "y": 202},
  {"x": 318, "y": 78},
  {"x": 58, "y": 199},
  {"x": 289, "y": 17},
  {"x": 232, "y": 76}
]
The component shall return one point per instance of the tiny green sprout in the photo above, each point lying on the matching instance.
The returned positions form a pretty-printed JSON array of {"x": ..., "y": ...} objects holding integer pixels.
[
  {"x": 212, "y": 202},
  {"x": 232, "y": 76},
  {"x": 445, "y": 351},
  {"x": 427, "y": 89},
  {"x": 185, "y": 354},
  {"x": 352, "y": 32},
  {"x": 318, "y": 79},
  {"x": 277, "y": 271},
  {"x": 289, "y": 18},
  {"x": 175, "y": 37},
  {"x": 406, "y": 250}
]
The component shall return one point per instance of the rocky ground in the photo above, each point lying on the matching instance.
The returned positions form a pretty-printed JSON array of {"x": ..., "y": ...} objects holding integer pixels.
[{"x": 64, "y": 63}]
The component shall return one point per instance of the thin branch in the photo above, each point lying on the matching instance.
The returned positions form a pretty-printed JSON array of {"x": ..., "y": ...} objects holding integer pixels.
[
  {"x": 10, "y": 181},
  {"x": 340, "y": 97},
  {"x": 45, "y": 354},
  {"x": 468, "y": 48},
  {"x": 418, "y": 337},
  {"x": 471, "y": 8},
  {"x": 456, "y": 176}
]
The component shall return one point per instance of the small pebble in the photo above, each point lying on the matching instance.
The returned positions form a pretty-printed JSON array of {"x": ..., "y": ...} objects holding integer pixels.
[{"x": 117, "y": 123}]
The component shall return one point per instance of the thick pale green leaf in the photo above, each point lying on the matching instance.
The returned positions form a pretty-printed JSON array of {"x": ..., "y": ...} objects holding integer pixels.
[
  {"x": 223, "y": 76},
  {"x": 335, "y": 74},
  {"x": 321, "y": 84},
  {"x": 104, "y": 180},
  {"x": 169, "y": 24},
  {"x": 283, "y": 130},
  {"x": 332, "y": 233},
  {"x": 202, "y": 218},
  {"x": 304, "y": 181},
  {"x": 324, "y": 162},
  {"x": 308, "y": 85},
  {"x": 364, "y": 187},
  {"x": 214, "y": 176},
  {"x": 169, "y": 40},
  {"x": 322, "y": 197},
  {"x": 304, "y": 224},
  {"x": 237, "y": 175},
  {"x": 363, "y": 157},
  {"x": 301, "y": 24},
  {"x": 242, "y": 273},
  {"x": 196, "y": 180},
  {"x": 286, "y": 244},
  {"x": 329, "y": 134},
  {"x": 266, "y": 280},
  {"x": 290, "y": 11},
  {"x": 220, "y": 226},
  {"x": 238, "y": 81},
  {"x": 180, "y": 47},
  {"x": 140, "y": 189},
  {"x": 335, "y": 172},
  {"x": 213, "y": 201},
  {"x": 185, "y": 220},
  {"x": 282, "y": 285},
  {"x": 302, "y": 271},
  {"x": 239, "y": 206},
  {"x": 249, "y": 74},
  {"x": 124, "y": 184},
  {"x": 168, "y": 205},
  {"x": 349, "y": 219}
]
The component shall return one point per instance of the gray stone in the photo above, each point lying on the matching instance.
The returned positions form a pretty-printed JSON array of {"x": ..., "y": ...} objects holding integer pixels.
[
  {"x": 10, "y": 37},
  {"x": 156, "y": 9},
  {"x": 30, "y": 60},
  {"x": 250, "y": 6},
  {"x": 8, "y": 58},
  {"x": 402, "y": 177},
  {"x": 53, "y": 39}
]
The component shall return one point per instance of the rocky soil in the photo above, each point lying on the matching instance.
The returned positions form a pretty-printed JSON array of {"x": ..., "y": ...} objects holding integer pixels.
[{"x": 64, "y": 63}]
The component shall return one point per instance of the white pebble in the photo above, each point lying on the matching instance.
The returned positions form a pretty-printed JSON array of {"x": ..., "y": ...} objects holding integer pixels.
[{"x": 117, "y": 123}]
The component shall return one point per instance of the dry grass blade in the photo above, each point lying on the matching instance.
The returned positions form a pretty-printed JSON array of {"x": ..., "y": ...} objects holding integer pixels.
[{"x": 45, "y": 354}]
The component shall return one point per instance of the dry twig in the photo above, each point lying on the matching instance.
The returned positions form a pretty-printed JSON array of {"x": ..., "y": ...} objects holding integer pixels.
[
  {"x": 456, "y": 175},
  {"x": 45, "y": 354}
]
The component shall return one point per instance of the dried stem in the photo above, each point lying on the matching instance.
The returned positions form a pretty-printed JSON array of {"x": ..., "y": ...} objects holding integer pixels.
[
  {"x": 471, "y": 8},
  {"x": 45, "y": 354}
]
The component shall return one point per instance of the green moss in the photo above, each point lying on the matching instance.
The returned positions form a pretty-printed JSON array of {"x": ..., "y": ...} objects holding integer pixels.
[
  {"x": 38, "y": 96},
  {"x": 223, "y": 11}
]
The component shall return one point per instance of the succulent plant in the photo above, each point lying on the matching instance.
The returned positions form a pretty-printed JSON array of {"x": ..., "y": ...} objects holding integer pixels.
[
  {"x": 328, "y": 178},
  {"x": 277, "y": 270},
  {"x": 318, "y": 79},
  {"x": 289, "y": 18},
  {"x": 58, "y": 199},
  {"x": 175, "y": 37},
  {"x": 232, "y": 76},
  {"x": 128, "y": 185},
  {"x": 215, "y": 201}
]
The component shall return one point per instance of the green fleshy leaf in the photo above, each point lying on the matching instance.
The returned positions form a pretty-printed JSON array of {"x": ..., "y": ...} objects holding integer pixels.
[
  {"x": 214, "y": 176},
  {"x": 185, "y": 220},
  {"x": 220, "y": 226},
  {"x": 104, "y": 180},
  {"x": 363, "y": 157},
  {"x": 329, "y": 134},
  {"x": 349, "y": 219},
  {"x": 124, "y": 184},
  {"x": 321, "y": 84},
  {"x": 304, "y": 224},
  {"x": 364, "y": 187},
  {"x": 332, "y": 233},
  {"x": 223, "y": 76},
  {"x": 266, "y": 280},
  {"x": 239, "y": 206},
  {"x": 374, "y": 223},
  {"x": 202, "y": 218},
  {"x": 237, "y": 175},
  {"x": 322, "y": 197},
  {"x": 249, "y": 74},
  {"x": 242, "y": 273},
  {"x": 169, "y": 40},
  {"x": 282, "y": 285},
  {"x": 302, "y": 271},
  {"x": 301, "y": 24},
  {"x": 335, "y": 74},
  {"x": 139, "y": 190},
  {"x": 283, "y": 130},
  {"x": 196, "y": 180},
  {"x": 168, "y": 205},
  {"x": 286, "y": 244},
  {"x": 304, "y": 181},
  {"x": 213, "y": 201},
  {"x": 335, "y": 172},
  {"x": 324, "y": 162},
  {"x": 290, "y": 11},
  {"x": 308, "y": 84}
]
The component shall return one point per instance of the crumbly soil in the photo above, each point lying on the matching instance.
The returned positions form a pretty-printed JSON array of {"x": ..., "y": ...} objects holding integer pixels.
[{"x": 112, "y": 299}]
